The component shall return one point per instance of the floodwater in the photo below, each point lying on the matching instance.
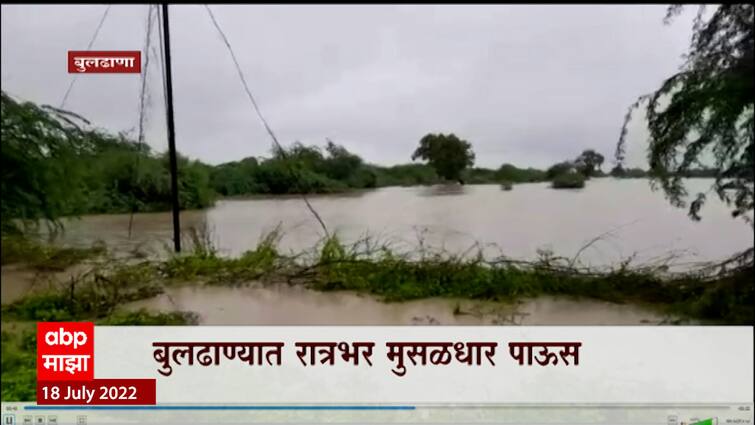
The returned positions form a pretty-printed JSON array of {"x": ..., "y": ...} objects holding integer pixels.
[
  {"x": 18, "y": 280},
  {"x": 627, "y": 217},
  {"x": 624, "y": 218},
  {"x": 283, "y": 304},
  {"x": 296, "y": 305}
]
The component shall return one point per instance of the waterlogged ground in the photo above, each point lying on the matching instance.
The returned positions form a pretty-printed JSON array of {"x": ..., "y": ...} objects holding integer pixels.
[
  {"x": 632, "y": 219},
  {"x": 17, "y": 280},
  {"x": 283, "y": 304},
  {"x": 296, "y": 305}
]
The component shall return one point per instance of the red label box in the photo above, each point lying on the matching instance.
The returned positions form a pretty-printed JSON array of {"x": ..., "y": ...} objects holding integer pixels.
[
  {"x": 97, "y": 392},
  {"x": 105, "y": 62},
  {"x": 65, "y": 351},
  {"x": 65, "y": 370}
]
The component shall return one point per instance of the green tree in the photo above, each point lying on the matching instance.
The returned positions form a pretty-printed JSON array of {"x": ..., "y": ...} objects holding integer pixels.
[
  {"x": 53, "y": 165},
  {"x": 704, "y": 112},
  {"x": 556, "y": 170},
  {"x": 447, "y": 154},
  {"x": 40, "y": 179},
  {"x": 340, "y": 164},
  {"x": 511, "y": 173},
  {"x": 618, "y": 171},
  {"x": 235, "y": 178},
  {"x": 588, "y": 163}
]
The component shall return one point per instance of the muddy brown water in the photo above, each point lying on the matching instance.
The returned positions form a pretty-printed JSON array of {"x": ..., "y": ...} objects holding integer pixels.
[
  {"x": 282, "y": 304},
  {"x": 296, "y": 305},
  {"x": 632, "y": 219}
]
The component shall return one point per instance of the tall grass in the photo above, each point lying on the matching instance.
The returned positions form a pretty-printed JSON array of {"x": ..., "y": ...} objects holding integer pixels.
[{"x": 373, "y": 266}]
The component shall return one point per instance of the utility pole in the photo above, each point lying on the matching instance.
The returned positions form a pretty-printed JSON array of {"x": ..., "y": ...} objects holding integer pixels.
[{"x": 171, "y": 133}]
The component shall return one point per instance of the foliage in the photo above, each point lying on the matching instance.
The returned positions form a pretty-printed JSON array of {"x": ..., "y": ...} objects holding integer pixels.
[
  {"x": 74, "y": 170},
  {"x": 509, "y": 172},
  {"x": 19, "y": 365},
  {"x": 570, "y": 180},
  {"x": 588, "y": 163},
  {"x": 298, "y": 169},
  {"x": 704, "y": 112},
  {"x": 558, "y": 169},
  {"x": 447, "y": 154},
  {"x": 478, "y": 176},
  {"x": 94, "y": 295},
  {"x": 39, "y": 148},
  {"x": 726, "y": 297},
  {"x": 204, "y": 263},
  {"x": 235, "y": 178},
  {"x": 621, "y": 172},
  {"x": 22, "y": 249},
  {"x": 406, "y": 175},
  {"x": 52, "y": 167},
  {"x": 145, "y": 318}
]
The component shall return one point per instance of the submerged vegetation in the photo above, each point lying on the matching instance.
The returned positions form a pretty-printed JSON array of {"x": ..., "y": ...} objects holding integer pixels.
[
  {"x": 17, "y": 248},
  {"x": 721, "y": 293},
  {"x": 569, "y": 180}
]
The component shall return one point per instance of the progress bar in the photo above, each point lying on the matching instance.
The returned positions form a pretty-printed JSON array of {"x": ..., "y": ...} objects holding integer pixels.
[{"x": 268, "y": 408}]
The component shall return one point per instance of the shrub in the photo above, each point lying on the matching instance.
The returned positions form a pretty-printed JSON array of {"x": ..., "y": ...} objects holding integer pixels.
[{"x": 570, "y": 180}]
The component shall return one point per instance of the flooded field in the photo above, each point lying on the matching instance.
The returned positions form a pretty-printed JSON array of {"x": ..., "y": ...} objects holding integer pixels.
[
  {"x": 296, "y": 305},
  {"x": 515, "y": 223}
]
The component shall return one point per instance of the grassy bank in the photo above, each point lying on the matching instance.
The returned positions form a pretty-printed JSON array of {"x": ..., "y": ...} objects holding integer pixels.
[
  {"x": 719, "y": 294},
  {"x": 715, "y": 294},
  {"x": 44, "y": 257}
]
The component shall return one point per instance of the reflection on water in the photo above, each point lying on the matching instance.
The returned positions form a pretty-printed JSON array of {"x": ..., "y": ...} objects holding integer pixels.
[
  {"x": 296, "y": 305},
  {"x": 443, "y": 190},
  {"x": 632, "y": 218},
  {"x": 17, "y": 280}
]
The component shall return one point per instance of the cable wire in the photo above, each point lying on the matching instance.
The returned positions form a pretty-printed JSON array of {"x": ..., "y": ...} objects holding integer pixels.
[
  {"x": 269, "y": 130},
  {"x": 89, "y": 47},
  {"x": 143, "y": 100}
]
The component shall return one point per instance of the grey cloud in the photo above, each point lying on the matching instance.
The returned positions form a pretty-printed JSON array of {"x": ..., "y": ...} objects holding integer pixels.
[{"x": 525, "y": 84}]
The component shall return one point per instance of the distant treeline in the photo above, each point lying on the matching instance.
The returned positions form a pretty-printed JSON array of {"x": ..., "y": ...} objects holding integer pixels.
[
  {"x": 310, "y": 169},
  {"x": 52, "y": 167}
]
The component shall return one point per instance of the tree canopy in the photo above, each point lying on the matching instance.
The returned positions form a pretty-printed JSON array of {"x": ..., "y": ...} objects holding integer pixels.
[
  {"x": 557, "y": 169},
  {"x": 589, "y": 162},
  {"x": 703, "y": 114},
  {"x": 447, "y": 154},
  {"x": 54, "y": 165}
]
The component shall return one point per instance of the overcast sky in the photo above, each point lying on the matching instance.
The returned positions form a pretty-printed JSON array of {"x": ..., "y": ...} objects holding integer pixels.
[{"x": 525, "y": 84}]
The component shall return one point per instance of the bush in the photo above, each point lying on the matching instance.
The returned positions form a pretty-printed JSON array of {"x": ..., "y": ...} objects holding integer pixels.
[
  {"x": 559, "y": 169},
  {"x": 19, "y": 367},
  {"x": 26, "y": 250},
  {"x": 572, "y": 180},
  {"x": 511, "y": 173},
  {"x": 406, "y": 175},
  {"x": 145, "y": 318}
]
